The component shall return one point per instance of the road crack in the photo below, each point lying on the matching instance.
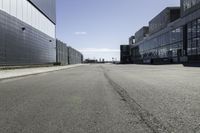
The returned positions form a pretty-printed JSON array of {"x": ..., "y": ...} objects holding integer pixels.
[{"x": 154, "y": 124}]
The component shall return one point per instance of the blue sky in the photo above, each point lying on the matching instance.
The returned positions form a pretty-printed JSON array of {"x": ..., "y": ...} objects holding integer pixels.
[{"x": 98, "y": 27}]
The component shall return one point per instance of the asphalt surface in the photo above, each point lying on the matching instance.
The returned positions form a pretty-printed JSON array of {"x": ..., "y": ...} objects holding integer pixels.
[{"x": 103, "y": 99}]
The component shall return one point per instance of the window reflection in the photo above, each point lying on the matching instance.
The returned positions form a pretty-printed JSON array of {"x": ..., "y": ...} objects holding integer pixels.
[
  {"x": 193, "y": 29},
  {"x": 187, "y": 4},
  {"x": 163, "y": 46}
]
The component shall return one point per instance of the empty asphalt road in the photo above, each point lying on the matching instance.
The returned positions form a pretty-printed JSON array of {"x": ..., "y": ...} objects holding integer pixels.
[{"x": 103, "y": 99}]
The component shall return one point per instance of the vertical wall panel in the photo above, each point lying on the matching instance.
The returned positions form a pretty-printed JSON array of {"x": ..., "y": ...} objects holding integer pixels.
[
  {"x": 61, "y": 53},
  {"x": 1, "y": 4},
  {"x": 25, "y": 11},
  {"x": 19, "y": 9},
  {"x": 6, "y": 6},
  {"x": 13, "y": 8},
  {"x": 29, "y": 13}
]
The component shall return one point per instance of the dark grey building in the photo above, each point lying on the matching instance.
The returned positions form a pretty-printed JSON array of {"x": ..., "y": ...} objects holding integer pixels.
[
  {"x": 142, "y": 33},
  {"x": 131, "y": 40},
  {"x": 167, "y": 16},
  {"x": 174, "y": 36},
  {"x": 27, "y": 32},
  {"x": 124, "y": 54},
  {"x": 189, "y": 6}
]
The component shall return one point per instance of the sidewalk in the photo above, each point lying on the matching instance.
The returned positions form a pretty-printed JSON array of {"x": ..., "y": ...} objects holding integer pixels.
[{"x": 6, "y": 74}]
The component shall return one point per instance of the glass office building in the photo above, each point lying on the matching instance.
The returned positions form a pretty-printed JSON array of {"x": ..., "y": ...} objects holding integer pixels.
[
  {"x": 27, "y": 32},
  {"x": 176, "y": 42},
  {"x": 167, "y": 16},
  {"x": 193, "y": 34}
]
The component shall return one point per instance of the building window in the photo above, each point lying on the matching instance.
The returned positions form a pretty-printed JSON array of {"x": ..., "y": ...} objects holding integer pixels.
[
  {"x": 198, "y": 46},
  {"x": 176, "y": 35},
  {"x": 187, "y": 4},
  {"x": 189, "y": 31},
  {"x": 193, "y": 47},
  {"x": 193, "y": 30},
  {"x": 189, "y": 47}
]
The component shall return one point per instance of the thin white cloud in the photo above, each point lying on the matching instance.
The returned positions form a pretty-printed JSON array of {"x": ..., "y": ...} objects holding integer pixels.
[
  {"x": 80, "y": 33},
  {"x": 101, "y": 50}
]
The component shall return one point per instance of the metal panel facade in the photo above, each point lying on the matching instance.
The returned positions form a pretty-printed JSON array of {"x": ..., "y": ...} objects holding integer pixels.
[
  {"x": 21, "y": 44},
  {"x": 61, "y": 53},
  {"x": 48, "y": 7},
  {"x": 75, "y": 57}
]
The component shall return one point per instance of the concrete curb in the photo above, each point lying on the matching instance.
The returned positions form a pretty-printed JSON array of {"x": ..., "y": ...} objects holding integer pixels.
[{"x": 17, "y": 73}]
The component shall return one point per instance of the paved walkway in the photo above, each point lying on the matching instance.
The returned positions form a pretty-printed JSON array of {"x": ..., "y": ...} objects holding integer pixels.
[{"x": 5, "y": 74}]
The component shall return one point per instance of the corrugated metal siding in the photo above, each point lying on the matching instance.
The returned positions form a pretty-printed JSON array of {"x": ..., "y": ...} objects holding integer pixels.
[
  {"x": 67, "y": 55},
  {"x": 19, "y": 47},
  {"x": 75, "y": 57},
  {"x": 61, "y": 53}
]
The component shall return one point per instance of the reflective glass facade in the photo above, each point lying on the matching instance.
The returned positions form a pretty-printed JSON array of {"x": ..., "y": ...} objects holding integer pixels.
[
  {"x": 176, "y": 42},
  {"x": 187, "y": 4},
  {"x": 162, "y": 46},
  {"x": 124, "y": 54},
  {"x": 141, "y": 34},
  {"x": 193, "y": 33},
  {"x": 161, "y": 21}
]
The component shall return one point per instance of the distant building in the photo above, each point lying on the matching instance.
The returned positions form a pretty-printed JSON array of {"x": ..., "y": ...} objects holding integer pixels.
[
  {"x": 173, "y": 36},
  {"x": 67, "y": 55},
  {"x": 141, "y": 34},
  {"x": 132, "y": 40},
  {"x": 124, "y": 54},
  {"x": 90, "y": 61},
  {"x": 161, "y": 21},
  {"x": 74, "y": 57}
]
